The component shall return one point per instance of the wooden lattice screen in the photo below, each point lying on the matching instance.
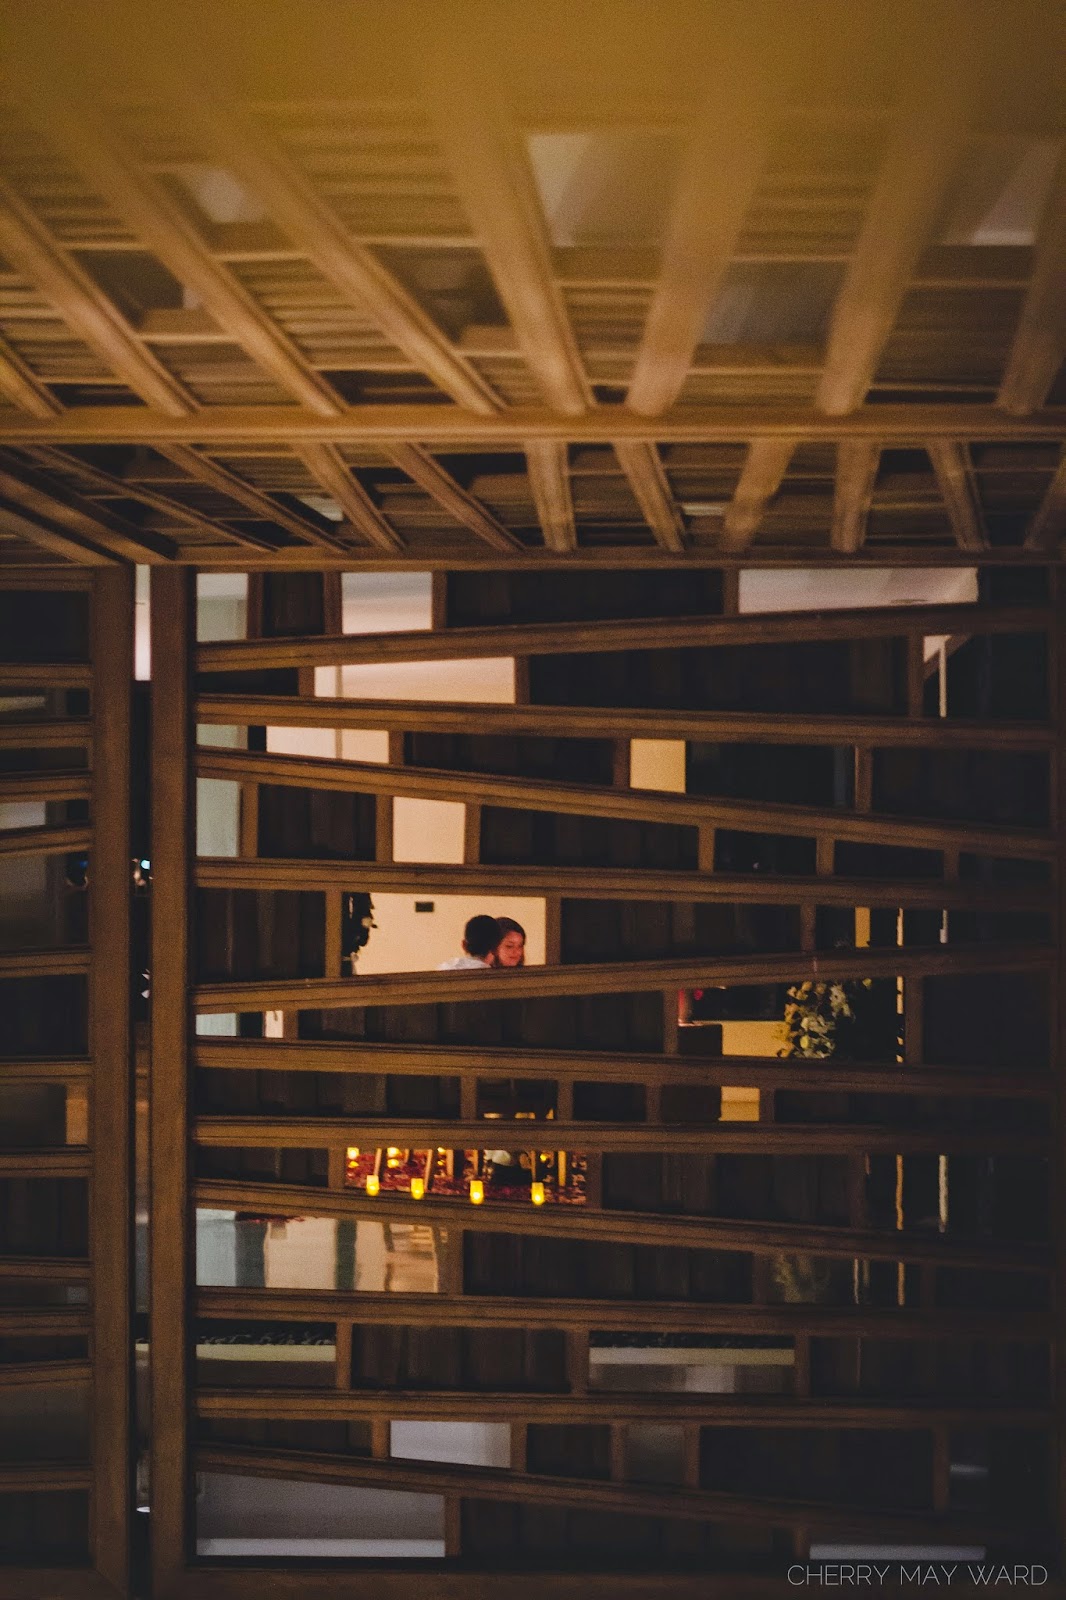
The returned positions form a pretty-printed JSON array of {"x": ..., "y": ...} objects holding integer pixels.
[
  {"x": 858, "y": 809},
  {"x": 66, "y": 1100}
]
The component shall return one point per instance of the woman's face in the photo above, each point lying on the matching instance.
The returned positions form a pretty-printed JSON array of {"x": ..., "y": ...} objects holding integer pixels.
[{"x": 511, "y": 950}]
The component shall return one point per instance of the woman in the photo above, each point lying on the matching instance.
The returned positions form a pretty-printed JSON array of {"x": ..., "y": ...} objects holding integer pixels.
[{"x": 511, "y": 950}]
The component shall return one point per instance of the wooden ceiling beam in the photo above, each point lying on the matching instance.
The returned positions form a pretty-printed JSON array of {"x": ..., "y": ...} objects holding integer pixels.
[
  {"x": 547, "y": 463},
  {"x": 88, "y": 312},
  {"x": 1048, "y": 526},
  {"x": 720, "y": 169},
  {"x": 1040, "y": 338},
  {"x": 203, "y": 470},
  {"x": 81, "y": 133},
  {"x": 293, "y": 202},
  {"x": 422, "y": 468},
  {"x": 130, "y": 489},
  {"x": 643, "y": 468},
  {"x": 86, "y": 521},
  {"x": 764, "y": 467},
  {"x": 494, "y": 181},
  {"x": 326, "y": 464},
  {"x": 954, "y": 475},
  {"x": 20, "y": 385},
  {"x": 924, "y": 147},
  {"x": 856, "y": 474},
  {"x": 19, "y": 520},
  {"x": 902, "y": 425}
]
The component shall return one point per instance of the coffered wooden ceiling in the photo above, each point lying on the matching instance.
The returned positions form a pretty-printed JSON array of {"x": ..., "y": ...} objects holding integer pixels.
[{"x": 443, "y": 284}]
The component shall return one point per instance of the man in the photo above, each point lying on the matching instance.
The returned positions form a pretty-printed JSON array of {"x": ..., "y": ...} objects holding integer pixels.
[{"x": 480, "y": 938}]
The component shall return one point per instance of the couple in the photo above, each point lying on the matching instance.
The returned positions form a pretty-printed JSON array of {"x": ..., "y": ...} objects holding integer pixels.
[{"x": 490, "y": 942}]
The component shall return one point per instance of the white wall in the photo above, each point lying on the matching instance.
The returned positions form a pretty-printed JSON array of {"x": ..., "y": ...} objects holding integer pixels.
[{"x": 406, "y": 940}]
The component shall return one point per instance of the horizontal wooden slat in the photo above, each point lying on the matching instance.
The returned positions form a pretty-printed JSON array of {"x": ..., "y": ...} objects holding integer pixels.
[
  {"x": 45, "y": 1322},
  {"x": 43, "y": 1477},
  {"x": 622, "y": 1227},
  {"x": 44, "y": 1583},
  {"x": 718, "y": 1138},
  {"x": 44, "y": 841},
  {"x": 45, "y": 1069},
  {"x": 59, "y": 577},
  {"x": 57, "y": 733},
  {"x": 72, "y": 1162},
  {"x": 571, "y": 799},
  {"x": 280, "y": 1055},
  {"x": 603, "y": 883},
  {"x": 606, "y": 722},
  {"x": 232, "y": 1581},
  {"x": 610, "y": 977},
  {"x": 43, "y": 787},
  {"x": 754, "y": 1411},
  {"x": 45, "y": 675},
  {"x": 387, "y": 1308},
  {"x": 44, "y": 1374},
  {"x": 43, "y": 963},
  {"x": 487, "y": 1483},
  {"x": 53, "y": 1269},
  {"x": 606, "y": 635}
]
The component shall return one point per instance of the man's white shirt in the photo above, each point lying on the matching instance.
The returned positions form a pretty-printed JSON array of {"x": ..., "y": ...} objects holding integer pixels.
[{"x": 461, "y": 964}]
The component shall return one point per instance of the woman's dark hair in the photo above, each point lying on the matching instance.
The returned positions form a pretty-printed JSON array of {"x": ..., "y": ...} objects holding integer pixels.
[
  {"x": 481, "y": 935},
  {"x": 509, "y": 925}
]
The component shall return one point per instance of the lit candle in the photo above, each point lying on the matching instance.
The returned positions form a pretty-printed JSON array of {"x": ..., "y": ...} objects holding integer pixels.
[
  {"x": 373, "y": 1183},
  {"x": 353, "y": 1153},
  {"x": 418, "y": 1188},
  {"x": 477, "y": 1191},
  {"x": 536, "y": 1193}
]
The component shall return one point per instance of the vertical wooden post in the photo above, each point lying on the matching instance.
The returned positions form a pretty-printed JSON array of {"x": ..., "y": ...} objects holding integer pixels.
[
  {"x": 1057, "y": 688},
  {"x": 577, "y": 1360},
  {"x": 342, "y": 1370},
  {"x": 112, "y": 1084},
  {"x": 173, "y": 818},
  {"x": 730, "y": 591},
  {"x": 864, "y": 778},
  {"x": 333, "y": 912},
  {"x": 472, "y": 833},
  {"x": 915, "y": 675},
  {"x": 553, "y": 929}
]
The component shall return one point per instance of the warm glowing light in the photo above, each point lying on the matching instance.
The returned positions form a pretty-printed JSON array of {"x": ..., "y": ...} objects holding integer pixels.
[
  {"x": 373, "y": 1183},
  {"x": 353, "y": 1153},
  {"x": 392, "y": 1156},
  {"x": 418, "y": 1188},
  {"x": 477, "y": 1191},
  {"x": 536, "y": 1193}
]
